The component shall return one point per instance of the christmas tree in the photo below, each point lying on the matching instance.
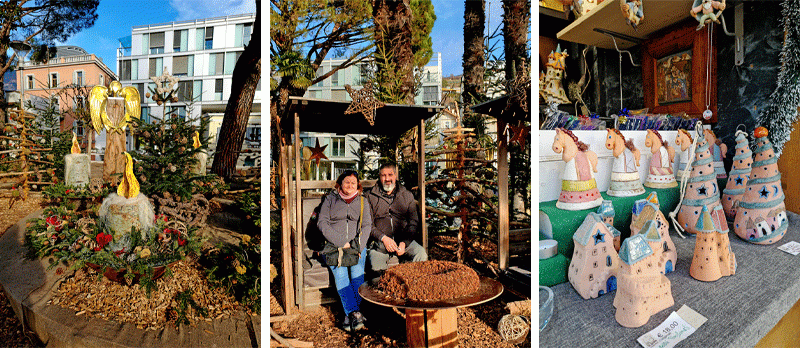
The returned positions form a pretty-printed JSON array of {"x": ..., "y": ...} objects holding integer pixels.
[
  {"x": 701, "y": 191},
  {"x": 761, "y": 216},
  {"x": 737, "y": 178}
]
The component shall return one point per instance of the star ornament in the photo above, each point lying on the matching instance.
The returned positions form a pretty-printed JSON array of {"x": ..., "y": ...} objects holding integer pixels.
[
  {"x": 364, "y": 102},
  {"x": 702, "y": 190},
  {"x": 598, "y": 238},
  {"x": 739, "y": 181},
  {"x": 764, "y": 193},
  {"x": 519, "y": 134},
  {"x": 317, "y": 153}
]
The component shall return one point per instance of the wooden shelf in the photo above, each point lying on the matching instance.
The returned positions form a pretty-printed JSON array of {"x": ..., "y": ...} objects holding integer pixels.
[{"x": 608, "y": 16}]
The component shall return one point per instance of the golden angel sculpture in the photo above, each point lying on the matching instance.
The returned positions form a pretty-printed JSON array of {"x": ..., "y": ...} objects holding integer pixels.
[{"x": 112, "y": 109}]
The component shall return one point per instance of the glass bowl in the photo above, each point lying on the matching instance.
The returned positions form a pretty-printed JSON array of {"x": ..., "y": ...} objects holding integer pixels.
[{"x": 545, "y": 306}]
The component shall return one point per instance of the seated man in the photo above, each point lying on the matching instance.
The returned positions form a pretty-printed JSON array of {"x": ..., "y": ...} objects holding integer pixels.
[{"x": 395, "y": 222}]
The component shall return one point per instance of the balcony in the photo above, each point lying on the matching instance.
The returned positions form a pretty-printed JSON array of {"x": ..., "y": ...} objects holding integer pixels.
[{"x": 65, "y": 60}]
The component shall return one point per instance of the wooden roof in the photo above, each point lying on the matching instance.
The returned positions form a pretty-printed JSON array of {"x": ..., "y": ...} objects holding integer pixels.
[
  {"x": 497, "y": 109},
  {"x": 320, "y": 115}
]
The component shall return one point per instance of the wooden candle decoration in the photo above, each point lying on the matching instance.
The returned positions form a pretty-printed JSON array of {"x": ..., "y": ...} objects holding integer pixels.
[
  {"x": 76, "y": 166},
  {"x": 625, "y": 180},
  {"x": 761, "y": 215}
]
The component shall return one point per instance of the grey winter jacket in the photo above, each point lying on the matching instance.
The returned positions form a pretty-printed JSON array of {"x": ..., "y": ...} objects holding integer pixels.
[
  {"x": 395, "y": 215},
  {"x": 338, "y": 220}
]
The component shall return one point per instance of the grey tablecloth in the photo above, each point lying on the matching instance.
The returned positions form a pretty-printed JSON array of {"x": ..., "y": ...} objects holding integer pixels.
[{"x": 741, "y": 309}]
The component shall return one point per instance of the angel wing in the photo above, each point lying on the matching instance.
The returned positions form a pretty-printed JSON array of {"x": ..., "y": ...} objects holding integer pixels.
[
  {"x": 132, "y": 103},
  {"x": 97, "y": 107}
]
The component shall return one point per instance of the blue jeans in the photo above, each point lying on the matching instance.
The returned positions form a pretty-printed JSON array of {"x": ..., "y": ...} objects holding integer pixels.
[{"x": 348, "y": 279}]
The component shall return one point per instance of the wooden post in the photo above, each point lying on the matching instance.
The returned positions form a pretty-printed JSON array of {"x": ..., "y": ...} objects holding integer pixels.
[
  {"x": 442, "y": 328},
  {"x": 298, "y": 209},
  {"x": 286, "y": 232},
  {"x": 421, "y": 184},
  {"x": 502, "y": 187}
]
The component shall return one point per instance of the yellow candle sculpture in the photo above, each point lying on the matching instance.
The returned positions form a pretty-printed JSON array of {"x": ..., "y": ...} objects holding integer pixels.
[{"x": 129, "y": 186}]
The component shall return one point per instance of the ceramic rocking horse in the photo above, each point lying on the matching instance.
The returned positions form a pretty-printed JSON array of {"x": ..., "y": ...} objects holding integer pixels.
[
  {"x": 718, "y": 151},
  {"x": 684, "y": 140},
  {"x": 578, "y": 187},
  {"x": 660, "y": 174},
  {"x": 625, "y": 180}
]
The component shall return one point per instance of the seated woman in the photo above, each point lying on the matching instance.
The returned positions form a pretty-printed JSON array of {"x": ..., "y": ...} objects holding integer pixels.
[{"x": 345, "y": 220}]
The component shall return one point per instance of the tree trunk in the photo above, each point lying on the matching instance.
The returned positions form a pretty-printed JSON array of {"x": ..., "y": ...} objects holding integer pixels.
[
  {"x": 393, "y": 30},
  {"x": 474, "y": 19},
  {"x": 246, "y": 75},
  {"x": 516, "y": 22}
]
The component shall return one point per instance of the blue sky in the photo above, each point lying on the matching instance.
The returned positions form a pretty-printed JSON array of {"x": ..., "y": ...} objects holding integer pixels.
[
  {"x": 448, "y": 30},
  {"x": 117, "y": 17}
]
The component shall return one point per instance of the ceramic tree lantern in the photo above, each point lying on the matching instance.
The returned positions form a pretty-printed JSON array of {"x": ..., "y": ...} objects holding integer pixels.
[
  {"x": 578, "y": 187},
  {"x": 625, "y": 180},
  {"x": 737, "y": 178},
  {"x": 126, "y": 209},
  {"x": 701, "y": 191},
  {"x": 202, "y": 157},
  {"x": 761, "y": 215},
  {"x": 713, "y": 258},
  {"x": 592, "y": 271},
  {"x": 76, "y": 166},
  {"x": 607, "y": 212},
  {"x": 646, "y": 215},
  {"x": 642, "y": 290},
  {"x": 684, "y": 140},
  {"x": 719, "y": 151},
  {"x": 660, "y": 174}
]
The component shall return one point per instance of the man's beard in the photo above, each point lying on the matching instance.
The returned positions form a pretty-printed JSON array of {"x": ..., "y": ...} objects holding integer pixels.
[{"x": 388, "y": 187}]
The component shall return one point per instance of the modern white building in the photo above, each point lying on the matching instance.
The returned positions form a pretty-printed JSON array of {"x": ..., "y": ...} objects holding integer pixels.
[
  {"x": 202, "y": 54},
  {"x": 342, "y": 149}
]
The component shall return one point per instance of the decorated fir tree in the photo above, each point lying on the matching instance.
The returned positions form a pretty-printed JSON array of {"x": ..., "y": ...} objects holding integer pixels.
[{"x": 701, "y": 192}]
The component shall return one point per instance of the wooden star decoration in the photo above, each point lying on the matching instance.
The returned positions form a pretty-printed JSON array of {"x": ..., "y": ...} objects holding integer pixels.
[
  {"x": 519, "y": 87},
  {"x": 317, "y": 152},
  {"x": 519, "y": 133},
  {"x": 364, "y": 102}
]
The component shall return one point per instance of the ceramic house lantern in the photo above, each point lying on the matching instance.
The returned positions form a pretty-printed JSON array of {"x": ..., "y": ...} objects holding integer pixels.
[
  {"x": 684, "y": 140},
  {"x": 625, "y": 181},
  {"x": 642, "y": 289},
  {"x": 578, "y": 186},
  {"x": 607, "y": 212},
  {"x": 719, "y": 151},
  {"x": 701, "y": 191},
  {"x": 660, "y": 173},
  {"x": 761, "y": 215},
  {"x": 592, "y": 271},
  {"x": 713, "y": 258},
  {"x": 737, "y": 178},
  {"x": 646, "y": 214},
  {"x": 551, "y": 88}
]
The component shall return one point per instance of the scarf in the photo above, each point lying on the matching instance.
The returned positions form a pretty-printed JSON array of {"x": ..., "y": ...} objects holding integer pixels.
[{"x": 350, "y": 198}]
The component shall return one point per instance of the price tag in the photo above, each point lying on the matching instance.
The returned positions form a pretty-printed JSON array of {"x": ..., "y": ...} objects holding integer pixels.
[
  {"x": 791, "y": 248},
  {"x": 672, "y": 330}
]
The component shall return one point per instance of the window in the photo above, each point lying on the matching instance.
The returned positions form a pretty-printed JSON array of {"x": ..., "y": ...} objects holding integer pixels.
[
  {"x": 125, "y": 69},
  {"x": 608, "y": 260},
  {"x": 335, "y": 78},
  {"x": 338, "y": 145},
  {"x": 197, "y": 90},
  {"x": 339, "y": 94},
  {"x": 101, "y": 80},
  {"x": 230, "y": 61},
  {"x": 216, "y": 63},
  {"x": 185, "y": 89},
  {"x": 253, "y": 134},
  {"x": 53, "y": 80},
  {"x": 594, "y": 252},
  {"x": 146, "y": 114},
  {"x": 242, "y": 35},
  {"x": 140, "y": 88},
  {"x": 79, "y": 78},
  {"x": 209, "y": 38},
  {"x": 247, "y": 32},
  {"x": 218, "y": 89},
  {"x": 29, "y": 79},
  {"x": 363, "y": 70},
  {"x": 180, "y": 41},
  {"x": 156, "y": 43},
  {"x": 78, "y": 127},
  {"x": 179, "y": 111},
  {"x": 430, "y": 93},
  {"x": 182, "y": 66},
  {"x": 80, "y": 102},
  {"x": 54, "y": 103},
  {"x": 156, "y": 66}
]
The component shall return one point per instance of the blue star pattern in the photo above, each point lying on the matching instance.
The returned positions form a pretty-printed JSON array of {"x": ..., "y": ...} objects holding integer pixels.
[
  {"x": 764, "y": 193},
  {"x": 702, "y": 190},
  {"x": 599, "y": 237},
  {"x": 739, "y": 180}
]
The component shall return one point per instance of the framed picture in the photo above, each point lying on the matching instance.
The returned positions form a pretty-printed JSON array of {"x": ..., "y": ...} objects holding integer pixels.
[{"x": 679, "y": 71}]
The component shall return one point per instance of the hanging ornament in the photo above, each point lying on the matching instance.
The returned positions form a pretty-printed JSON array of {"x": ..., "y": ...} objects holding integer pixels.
[
  {"x": 632, "y": 11},
  {"x": 703, "y": 11},
  {"x": 551, "y": 90},
  {"x": 317, "y": 153},
  {"x": 364, "y": 102}
]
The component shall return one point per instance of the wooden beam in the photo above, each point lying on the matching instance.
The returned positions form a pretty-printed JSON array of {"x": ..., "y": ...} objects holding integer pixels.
[
  {"x": 286, "y": 240},
  {"x": 298, "y": 210},
  {"x": 328, "y": 184},
  {"x": 502, "y": 187},
  {"x": 421, "y": 183}
]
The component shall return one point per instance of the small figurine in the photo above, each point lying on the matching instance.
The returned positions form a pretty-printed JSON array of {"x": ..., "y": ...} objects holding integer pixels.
[
  {"x": 632, "y": 11},
  {"x": 625, "y": 180},
  {"x": 707, "y": 7},
  {"x": 592, "y": 271},
  {"x": 660, "y": 175},
  {"x": 552, "y": 90},
  {"x": 606, "y": 211},
  {"x": 761, "y": 215},
  {"x": 578, "y": 187},
  {"x": 642, "y": 290}
]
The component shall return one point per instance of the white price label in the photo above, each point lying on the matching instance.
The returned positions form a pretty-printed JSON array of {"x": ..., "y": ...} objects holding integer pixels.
[
  {"x": 791, "y": 248},
  {"x": 668, "y": 334}
]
